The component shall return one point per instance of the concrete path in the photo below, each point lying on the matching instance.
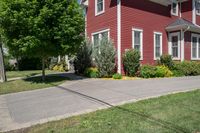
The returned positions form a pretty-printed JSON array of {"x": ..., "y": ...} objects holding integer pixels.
[{"x": 24, "y": 109}]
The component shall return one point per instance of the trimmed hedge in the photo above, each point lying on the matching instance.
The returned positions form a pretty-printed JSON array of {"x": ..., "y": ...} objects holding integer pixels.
[
  {"x": 131, "y": 61},
  {"x": 187, "y": 68},
  {"x": 166, "y": 60},
  {"x": 148, "y": 71}
]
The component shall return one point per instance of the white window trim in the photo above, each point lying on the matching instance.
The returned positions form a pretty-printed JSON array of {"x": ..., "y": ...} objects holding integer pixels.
[
  {"x": 161, "y": 43},
  {"x": 198, "y": 37},
  {"x": 179, "y": 45},
  {"x": 96, "y": 12},
  {"x": 99, "y": 32},
  {"x": 195, "y": 8},
  {"x": 141, "y": 40},
  {"x": 177, "y": 9}
]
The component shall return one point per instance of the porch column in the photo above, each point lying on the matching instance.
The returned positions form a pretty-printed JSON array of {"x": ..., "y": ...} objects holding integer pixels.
[{"x": 182, "y": 46}]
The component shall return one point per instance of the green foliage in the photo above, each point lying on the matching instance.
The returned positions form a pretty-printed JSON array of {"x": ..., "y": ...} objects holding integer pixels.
[
  {"x": 105, "y": 58},
  {"x": 61, "y": 66},
  {"x": 187, "y": 68},
  {"x": 91, "y": 72},
  {"x": 148, "y": 71},
  {"x": 163, "y": 71},
  {"x": 167, "y": 61},
  {"x": 38, "y": 28},
  {"x": 83, "y": 58},
  {"x": 117, "y": 76},
  {"x": 131, "y": 61}
]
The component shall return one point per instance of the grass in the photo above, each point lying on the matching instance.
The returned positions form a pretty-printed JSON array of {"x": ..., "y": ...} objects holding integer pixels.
[
  {"x": 14, "y": 74},
  {"x": 30, "y": 84},
  {"x": 168, "y": 114}
]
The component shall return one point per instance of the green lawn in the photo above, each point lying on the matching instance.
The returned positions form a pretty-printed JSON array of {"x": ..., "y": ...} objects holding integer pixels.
[
  {"x": 14, "y": 74},
  {"x": 168, "y": 114},
  {"x": 30, "y": 84}
]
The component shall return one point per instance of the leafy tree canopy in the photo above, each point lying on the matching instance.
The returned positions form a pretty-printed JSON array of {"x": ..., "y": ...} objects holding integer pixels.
[{"x": 41, "y": 28}]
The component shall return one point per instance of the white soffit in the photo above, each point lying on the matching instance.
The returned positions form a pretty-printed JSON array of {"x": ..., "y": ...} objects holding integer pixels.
[{"x": 166, "y": 2}]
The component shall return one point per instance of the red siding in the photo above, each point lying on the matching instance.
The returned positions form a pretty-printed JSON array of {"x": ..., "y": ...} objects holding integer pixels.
[
  {"x": 187, "y": 45},
  {"x": 143, "y": 14},
  {"x": 107, "y": 20},
  {"x": 149, "y": 17}
]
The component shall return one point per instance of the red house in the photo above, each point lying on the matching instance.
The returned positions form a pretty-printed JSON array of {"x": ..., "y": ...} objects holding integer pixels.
[{"x": 154, "y": 27}]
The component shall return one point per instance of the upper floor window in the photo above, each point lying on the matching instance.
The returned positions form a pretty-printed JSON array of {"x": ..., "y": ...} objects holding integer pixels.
[
  {"x": 197, "y": 6},
  {"x": 174, "y": 8},
  {"x": 99, "y": 7}
]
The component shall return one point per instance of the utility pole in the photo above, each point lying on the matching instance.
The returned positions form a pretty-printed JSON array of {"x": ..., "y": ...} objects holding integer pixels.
[{"x": 2, "y": 68}]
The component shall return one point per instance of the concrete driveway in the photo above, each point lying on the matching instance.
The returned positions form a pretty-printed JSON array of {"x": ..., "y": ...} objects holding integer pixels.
[{"x": 80, "y": 96}]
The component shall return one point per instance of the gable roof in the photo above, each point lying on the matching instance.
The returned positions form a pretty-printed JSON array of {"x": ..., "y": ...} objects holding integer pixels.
[{"x": 182, "y": 24}]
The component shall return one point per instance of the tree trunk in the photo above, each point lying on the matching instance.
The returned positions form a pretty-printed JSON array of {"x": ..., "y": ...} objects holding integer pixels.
[
  {"x": 43, "y": 69},
  {"x": 2, "y": 67}
]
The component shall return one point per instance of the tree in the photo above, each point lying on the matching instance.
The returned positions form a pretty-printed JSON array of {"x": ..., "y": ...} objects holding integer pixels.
[
  {"x": 42, "y": 28},
  {"x": 2, "y": 66}
]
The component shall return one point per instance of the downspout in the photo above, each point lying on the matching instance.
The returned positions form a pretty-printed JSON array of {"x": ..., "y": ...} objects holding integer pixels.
[
  {"x": 193, "y": 12},
  {"x": 180, "y": 12},
  {"x": 119, "y": 36}
]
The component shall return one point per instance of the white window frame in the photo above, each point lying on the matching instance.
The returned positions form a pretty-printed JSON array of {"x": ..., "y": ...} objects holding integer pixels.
[
  {"x": 177, "y": 8},
  {"x": 100, "y": 35},
  {"x": 141, "y": 40},
  {"x": 197, "y": 13},
  {"x": 96, "y": 8},
  {"x": 179, "y": 45},
  {"x": 161, "y": 43},
  {"x": 198, "y": 37}
]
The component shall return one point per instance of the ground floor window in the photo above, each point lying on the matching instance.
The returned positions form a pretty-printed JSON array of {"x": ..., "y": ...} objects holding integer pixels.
[
  {"x": 137, "y": 38},
  {"x": 195, "y": 47},
  {"x": 98, "y": 36},
  {"x": 157, "y": 45},
  {"x": 174, "y": 45}
]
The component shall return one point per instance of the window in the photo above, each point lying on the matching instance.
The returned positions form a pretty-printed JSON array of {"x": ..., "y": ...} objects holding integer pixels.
[
  {"x": 175, "y": 51},
  {"x": 174, "y": 8},
  {"x": 98, "y": 36},
  {"x": 137, "y": 36},
  {"x": 99, "y": 7},
  {"x": 157, "y": 45},
  {"x": 195, "y": 49},
  {"x": 174, "y": 47},
  {"x": 197, "y": 6}
]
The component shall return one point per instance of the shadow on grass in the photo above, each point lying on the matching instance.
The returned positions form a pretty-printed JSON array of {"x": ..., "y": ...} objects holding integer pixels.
[
  {"x": 50, "y": 79},
  {"x": 162, "y": 123}
]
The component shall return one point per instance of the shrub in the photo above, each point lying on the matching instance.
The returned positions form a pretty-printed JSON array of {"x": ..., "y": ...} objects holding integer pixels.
[
  {"x": 83, "y": 58},
  {"x": 167, "y": 61},
  {"x": 163, "y": 71},
  {"x": 104, "y": 58},
  {"x": 62, "y": 67},
  {"x": 56, "y": 68},
  {"x": 187, "y": 68},
  {"x": 131, "y": 61},
  {"x": 148, "y": 71},
  {"x": 117, "y": 76},
  {"x": 91, "y": 72}
]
